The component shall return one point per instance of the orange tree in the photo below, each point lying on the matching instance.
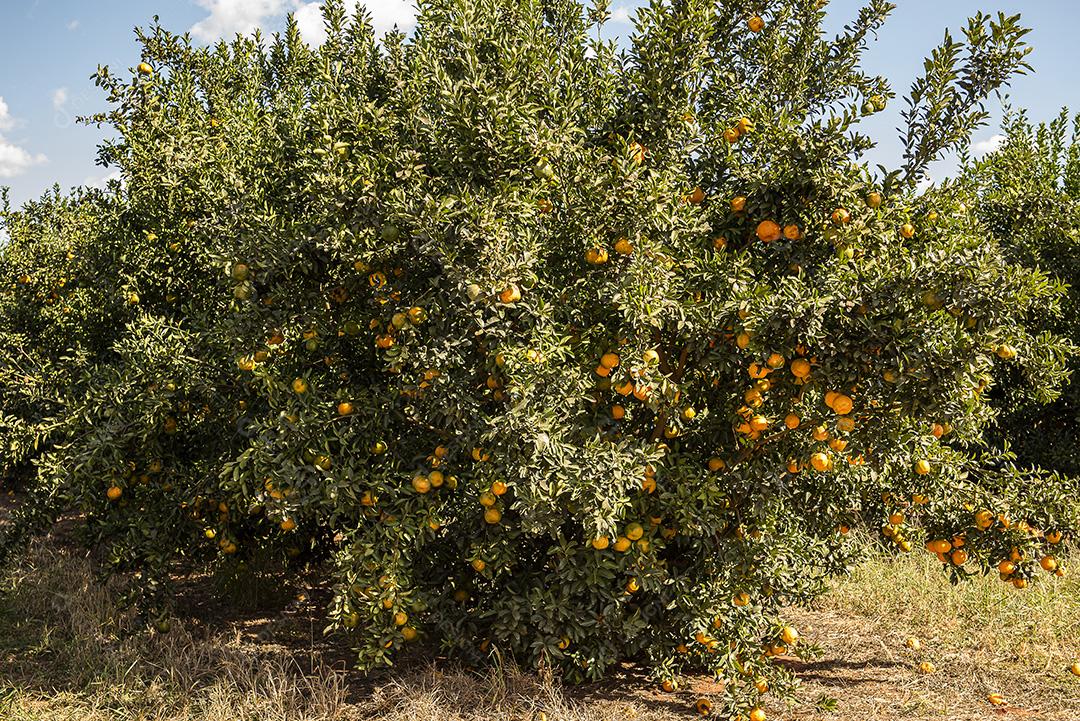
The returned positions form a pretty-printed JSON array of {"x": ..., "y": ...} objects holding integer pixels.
[
  {"x": 1028, "y": 195},
  {"x": 58, "y": 315},
  {"x": 580, "y": 353}
]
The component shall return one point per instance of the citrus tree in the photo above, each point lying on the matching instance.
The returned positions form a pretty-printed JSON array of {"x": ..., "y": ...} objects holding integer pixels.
[
  {"x": 1028, "y": 195},
  {"x": 543, "y": 345},
  {"x": 58, "y": 315}
]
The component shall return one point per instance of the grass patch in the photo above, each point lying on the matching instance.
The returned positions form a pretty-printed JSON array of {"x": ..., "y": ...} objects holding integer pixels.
[
  {"x": 1037, "y": 628},
  {"x": 68, "y": 651}
]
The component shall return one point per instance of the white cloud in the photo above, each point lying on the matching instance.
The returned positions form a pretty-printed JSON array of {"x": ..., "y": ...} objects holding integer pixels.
[
  {"x": 6, "y": 121},
  {"x": 987, "y": 146},
  {"x": 101, "y": 181},
  {"x": 13, "y": 159},
  {"x": 385, "y": 14},
  {"x": 74, "y": 24},
  {"x": 620, "y": 14},
  {"x": 229, "y": 17},
  {"x": 309, "y": 22},
  {"x": 59, "y": 98}
]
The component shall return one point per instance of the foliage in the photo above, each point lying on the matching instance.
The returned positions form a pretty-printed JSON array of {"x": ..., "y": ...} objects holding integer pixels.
[
  {"x": 1028, "y": 196},
  {"x": 582, "y": 354}
]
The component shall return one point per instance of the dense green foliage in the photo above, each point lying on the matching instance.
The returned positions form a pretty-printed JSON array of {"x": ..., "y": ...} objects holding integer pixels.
[
  {"x": 1028, "y": 196},
  {"x": 582, "y": 354}
]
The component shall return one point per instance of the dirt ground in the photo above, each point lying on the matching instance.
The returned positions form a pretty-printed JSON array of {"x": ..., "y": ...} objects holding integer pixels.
[{"x": 256, "y": 651}]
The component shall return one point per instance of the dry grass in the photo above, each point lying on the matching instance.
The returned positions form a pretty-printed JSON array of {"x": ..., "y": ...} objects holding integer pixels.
[
  {"x": 983, "y": 636},
  {"x": 67, "y": 651}
]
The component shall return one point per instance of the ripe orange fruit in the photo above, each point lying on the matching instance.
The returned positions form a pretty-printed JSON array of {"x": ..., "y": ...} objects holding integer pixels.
[
  {"x": 800, "y": 368},
  {"x": 913, "y": 643},
  {"x": 922, "y": 467},
  {"x": 300, "y": 385},
  {"x": 820, "y": 461},
  {"x": 669, "y": 686},
  {"x": 288, "y": 524},
  {"x": 742, "y": 598},
  {"x": 344, "y": 408},
  {"x": 874, "y": 200},
  {"x": 421, "y": 484},
  {"x": 145, "y": 69},
  {"x": 634, "y": 531},
  {"x": 984, "y": 519},
  {"x": 756, "y": 24},
  {"x": 738, "y": 204},
  {"x": 841, "y": 216},
  {"x": 600, "y": 543},
  {"x": 731, "y": 135},
  {"x": 774, "y": 361},
  {"x": 114, "y": 493},
  {"x": 845, "y": 424},
  {"x": 716, "y": 464},
  {"x": 510, "y": 294},
  {"x": 492, "y": 516},
  {"x": 768, "y": 231},
  {"x": 744, "y": 126},
  {"x": 1007, "y": 568},
  {"x": 959, "y": 557},
  {"x": 618, "y": 412},
  {"x": 703, "y": 706},
  {"x": 821, "y": 433},
  {"x": 907, "y": 230},
  {"x": 1075, "y": 669},
  {"x": 623, "y": 246},
  {"x": 790, "y": 635},
  {"x": 697, "y": 195},
  {"x": 1048, "y": 563},
  {"x": 926, "y": 667},
  {"x": 622, "y": 544},
  {"x": 609, "y": 360},
  {"x": 596, "y": 256},
  {"x": 842, "y": 404},
  {"x": 545, "y": 205},
  {"x": 409, "y": 633},
  {"x": 759, "y": 423},
  {"x": 757, "y": 714},
  {"x": 1053, "y": 537},
  {"x": 792, "y": 232},
  {"x": 996, "y": 699},
  {"x": 791, "y": 421},
  {"x": 742, "y": 339},
  {"x": 939, "y": 546}
]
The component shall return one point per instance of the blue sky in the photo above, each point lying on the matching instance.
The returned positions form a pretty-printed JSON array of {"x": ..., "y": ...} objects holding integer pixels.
[{"x": 50, "y": 48}]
